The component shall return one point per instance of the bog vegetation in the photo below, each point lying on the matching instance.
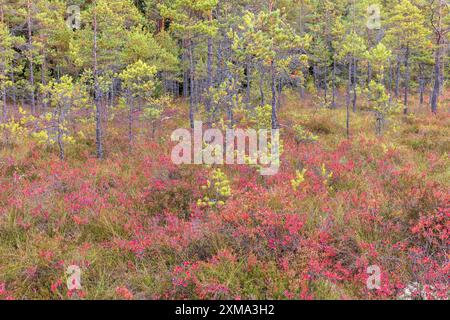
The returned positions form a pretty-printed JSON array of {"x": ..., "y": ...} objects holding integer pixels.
[{"x": 92, "y": 90}]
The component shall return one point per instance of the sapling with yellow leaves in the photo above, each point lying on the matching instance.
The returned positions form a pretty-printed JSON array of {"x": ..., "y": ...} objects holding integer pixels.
[
  {"x": 299, "y": 179},
  {"x": 15, "y": 131},
  {"x": 193, "y": 21},
  {"x": 64, "y": 97},
  {"x": 274, "y": 46},
  {"x": 217, "y": 189},
  {"x": 303, "y": 135},
  {"x": 377, "y": 95},
  {"x": 7, "y": 43},
  {"x": 139, "y": 82}
]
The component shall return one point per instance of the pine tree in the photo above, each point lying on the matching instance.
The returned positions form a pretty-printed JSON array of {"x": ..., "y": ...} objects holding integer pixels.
[
  {"x": 406, "y": 34},
  {"x": 64, "y": 96},
  {"x": 97, "y": 46},
  {"x": 378, "y": 97},
  {"x": 275, "y": 46},
  {"x": 350, "y": 50},
  {"x": 139, "y": 84},
  {"x": 6, "y": 58},
  {"x": 192, "y": 21},
  {"x": 438, "y": 12}
]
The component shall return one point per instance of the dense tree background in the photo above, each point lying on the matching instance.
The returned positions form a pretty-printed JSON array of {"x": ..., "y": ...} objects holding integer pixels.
[{"x": 225, "y": 56}]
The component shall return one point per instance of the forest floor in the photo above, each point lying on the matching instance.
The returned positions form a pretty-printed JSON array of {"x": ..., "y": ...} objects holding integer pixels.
[{"x": 134, "y": 226}]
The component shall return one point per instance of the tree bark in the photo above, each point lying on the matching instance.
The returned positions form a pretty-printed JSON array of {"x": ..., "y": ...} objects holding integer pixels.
[
  {"x": 397, "y": 79},
  {"x": 421, "y": 84},
  {"x": 355, "y": 66},
  {"x": 280, "y": 91},
  {"x": 248, "y": 79},
  {"x": 325, "y": 85},
  {"x": 333, "y": 84},
  {"x": 437, "y": 82},
  {"x": 192, "y": 99},
  {"x": 130, "y": 119},
  {"x": 261, "y": 87},
  {"x": 13, "y": 87},
  {"x": 407, "y": 75},
  {"x": 274, "y": 97},
  {"x": 209, "y": 79},
  {"x": 30, "y": 58},
  {"x": 98, "y": 128},
  {"x": 43, "y": 81},
  {"x": 4, "y": 104},
  {"x": 349, "y": 85}
]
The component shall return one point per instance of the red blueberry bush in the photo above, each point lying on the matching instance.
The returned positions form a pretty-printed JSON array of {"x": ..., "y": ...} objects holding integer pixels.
[{"x": 133, "y": 225}]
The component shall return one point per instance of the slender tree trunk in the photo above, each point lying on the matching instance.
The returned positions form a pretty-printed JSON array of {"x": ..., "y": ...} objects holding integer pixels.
[
  {"x": 302, "y": 88},
  {"x": 130, "y": 120},
  {"x": 261, "y": 86},
  {"x": 60, "y": 143},
  {"x": 274, "y": 97},
  {"x": 349, "y": 85},
  {"x": 316, "y": 80},
  {"x": 13, "y": 87},
  {"x": 325, "y": 85},
  {"x": 4, "y": 72},
  {"x": 184, "y": 60},
  {"x": 379, "y": 123},
  {"x": 44, "y": 82},
  {"x": 333, "y": 99},
  {"x": 355, "y": 66},
  {"x": 197, "y": 94},
  {"x": 4, "y": 105},
  {"x": 220, "y": 69},
  {"x": 112, "y": 91},
  {"x": 280, "y": 91},
  {"x": 30, "y": 58},
  {"x": 397, "y": 78},
  {"x": 192, "y": 99},
  {"x": 390, "y": 81},
  {"x": 422, "y": 89},
  {"x": 442, "y": 69},
  {"x": 405, "y": 110},
  {"x": 209, "y": 80},
  {"x": 185, "y": 84},
  {"x": 248, "y": 89},
  {"x": 437, "y": 81},
  {"x": 60, "y": 134},
  {"x": 98, "y": 128},
  {"x": 421, "y": 84}
]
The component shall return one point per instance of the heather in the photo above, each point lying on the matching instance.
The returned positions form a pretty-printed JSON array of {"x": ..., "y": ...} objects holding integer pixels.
[
  {"x": 333, "y": 185},
  {"x": 134, "y": 223}
]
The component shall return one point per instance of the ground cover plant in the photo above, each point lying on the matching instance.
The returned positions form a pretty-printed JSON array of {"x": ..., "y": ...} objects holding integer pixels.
[{"x": 92, "y": 205}]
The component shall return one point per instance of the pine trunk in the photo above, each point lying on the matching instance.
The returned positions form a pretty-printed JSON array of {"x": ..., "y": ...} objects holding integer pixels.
[
  {"x": 30, "y": 57},
  {"x": 98, "y": 128},
  {"x": 437, "y": 82},
  {"x": 405, "y": 110},
  {"x": 274, "y": 97},
  {"x": 192, "y": 98}
]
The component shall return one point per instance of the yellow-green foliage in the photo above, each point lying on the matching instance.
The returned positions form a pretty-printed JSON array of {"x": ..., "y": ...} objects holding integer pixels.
[
  {"x": 65, "y": 97},
  {"x": 379, "y": 99},
  {"x": 13, "y": 131},
  {"x": 327, "y": 176},
  {"x": 303, "y": 135},
  {"x": 263, "y": 117},
  {"x": 299, "y": 179},
  {"x": 139, "y": 81},
  {"x": 138, "y": 78},
  {"x": 217, "y": 188}
]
